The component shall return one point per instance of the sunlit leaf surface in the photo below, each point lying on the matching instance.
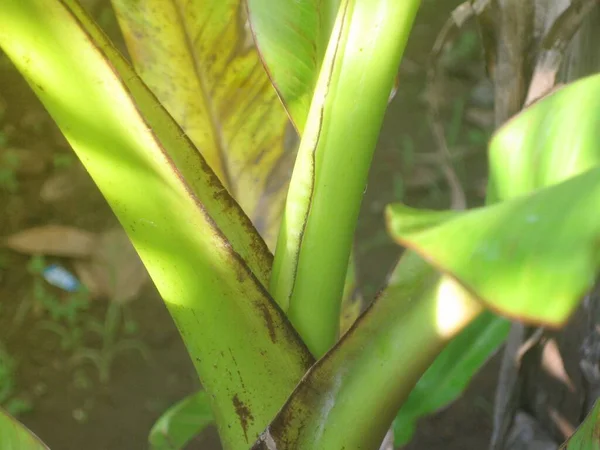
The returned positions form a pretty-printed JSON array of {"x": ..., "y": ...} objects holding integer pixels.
[
  {"x": 14, "y": 436},
  {"x": 199, "y": 58},
  {"x": 533, "y": 257},
  {"x": 207, "y": 261}
]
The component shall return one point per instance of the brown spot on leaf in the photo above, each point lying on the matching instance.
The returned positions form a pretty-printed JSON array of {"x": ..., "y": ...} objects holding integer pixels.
[
  {"x": 244, "y": 414},
  {"x": 268, "y": 320}
]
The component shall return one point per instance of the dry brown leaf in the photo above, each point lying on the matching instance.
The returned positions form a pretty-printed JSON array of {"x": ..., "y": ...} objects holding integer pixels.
[
  {"x": 55, "y": 240},
  {"x": 114, "y": 270}
]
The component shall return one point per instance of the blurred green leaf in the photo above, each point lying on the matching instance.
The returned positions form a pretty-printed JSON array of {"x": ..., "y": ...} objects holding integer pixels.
[
  {"x": 14, "y": 436},
  {"x": 587, "y": 435},
  {"x": 181, "y": 422},
  {"x": 454, "y": 367},
  {"x": 532, "y": 257},
  {"x": 449, "y": 375},
  {"x": 552, "y": 140}
]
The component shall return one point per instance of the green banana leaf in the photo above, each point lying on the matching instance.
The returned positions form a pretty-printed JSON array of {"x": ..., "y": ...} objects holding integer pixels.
[
  {"x": 208, "y": 76},
  {"x": 207, "y": 261},
  {"x": 349, "y": 398},
  {"x": 533, "y": 257},
  {"x": 14, "y": 436},
  {"x": 458, "y": 362},
  {"x": 199, "y": 59},
  {"x": 518, "y": 247},
  {"x": 587, "y": 436},
  {"x": 552, "y": 140},
  {"x": 322, "y": 403},
  {"x": 292, "y": 38},
  {"x": 186, "y": 419},
  {"x": 181, "y": 422}
]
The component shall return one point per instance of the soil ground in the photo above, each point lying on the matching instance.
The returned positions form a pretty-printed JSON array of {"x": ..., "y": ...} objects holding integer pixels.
[{"x": 71, "y": 410}]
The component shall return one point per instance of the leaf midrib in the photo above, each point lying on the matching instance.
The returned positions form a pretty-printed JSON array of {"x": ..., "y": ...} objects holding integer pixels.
[{"x": 206, "y": 98}]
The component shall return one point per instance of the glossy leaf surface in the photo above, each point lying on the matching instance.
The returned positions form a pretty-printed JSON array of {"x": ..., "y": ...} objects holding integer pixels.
[
  {"x": 199, "y": 58},
  {"x": 554, "y": 139},
  {"x": 206, "y": 259},
  {"x": 532, "y": 257},
  {"x": 292, "y": 37},
  {"x": 349, "y": 398},
  {"x": 587, "y": 435},
  {"x": 181, "y": 422},
  {"x": 14, "y": 436}
]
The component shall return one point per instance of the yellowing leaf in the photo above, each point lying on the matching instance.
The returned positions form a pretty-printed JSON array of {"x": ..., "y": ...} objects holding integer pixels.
[{"x": 199, "y": 59}]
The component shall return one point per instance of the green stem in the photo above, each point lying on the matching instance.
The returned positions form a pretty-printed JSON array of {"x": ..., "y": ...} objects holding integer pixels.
[
  {"x": 327, "y": 16},
  {"x": 350, "y": 397},
  {"x": 333, "y": 164}
]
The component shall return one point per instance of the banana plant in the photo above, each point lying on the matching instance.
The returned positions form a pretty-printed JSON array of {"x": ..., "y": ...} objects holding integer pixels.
[
  {"x": 586, "y": 436},
  {"x": 188, "y": 145}
]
